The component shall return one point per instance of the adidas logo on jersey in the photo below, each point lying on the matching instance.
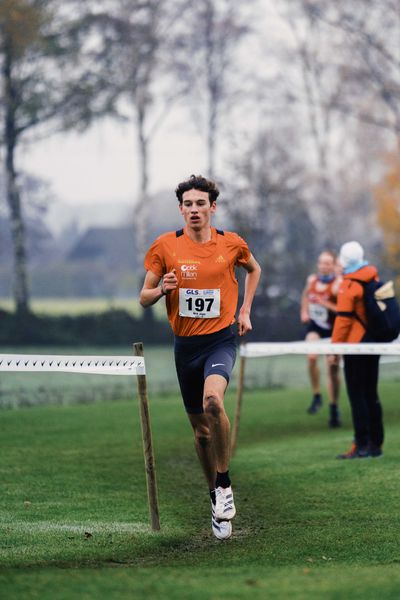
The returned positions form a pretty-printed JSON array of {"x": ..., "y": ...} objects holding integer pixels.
[{"x": 220, "y": 259}]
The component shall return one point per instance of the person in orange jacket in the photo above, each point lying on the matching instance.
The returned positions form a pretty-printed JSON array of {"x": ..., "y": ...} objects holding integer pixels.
[
  {"x": 318, "y": 311},
  {"x": 361, "y": 372}
]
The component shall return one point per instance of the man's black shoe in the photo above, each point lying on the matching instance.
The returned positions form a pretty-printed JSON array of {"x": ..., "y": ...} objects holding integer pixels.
[
  {"x": 354, "y": 452},
  {"x": 334, "y": 419},
  {"x": 315, "y": 404},
  {"x": 334, "y": 422},
  {"x": 375, "y": 451}
]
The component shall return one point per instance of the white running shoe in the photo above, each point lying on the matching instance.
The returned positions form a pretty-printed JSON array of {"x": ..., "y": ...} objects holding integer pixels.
[
  {"x": 221, "y": 529},
  {"x": 224, "y": 504}
]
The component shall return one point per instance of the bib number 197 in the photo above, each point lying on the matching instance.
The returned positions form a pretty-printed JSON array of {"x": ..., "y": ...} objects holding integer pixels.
[{"x": 199, "y": 304}]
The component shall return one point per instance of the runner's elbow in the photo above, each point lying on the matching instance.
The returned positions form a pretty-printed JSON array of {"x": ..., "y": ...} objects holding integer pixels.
[
  {"x": 255, "y": 269},
  {"x": 143, "y": 299}
]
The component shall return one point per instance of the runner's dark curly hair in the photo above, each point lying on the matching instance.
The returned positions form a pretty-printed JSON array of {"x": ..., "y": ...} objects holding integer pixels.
[{"x": 197, "y": 182}]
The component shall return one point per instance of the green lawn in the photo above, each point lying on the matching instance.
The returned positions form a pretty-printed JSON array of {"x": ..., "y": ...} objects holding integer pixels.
[
  {"x": 79, "y": 306},
  {"x": 74, "y": 521}
]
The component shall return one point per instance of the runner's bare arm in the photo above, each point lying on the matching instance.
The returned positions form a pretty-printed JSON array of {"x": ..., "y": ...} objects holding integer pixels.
[
  {"x": 329, "y": 305},
  {"x": 304, "y": 315},
  {"x": 252, "y": 278},
  {"x": 151, "y": 291},
  {"x": 336, "y": 285},
  {"x": 335, "y": 290}
]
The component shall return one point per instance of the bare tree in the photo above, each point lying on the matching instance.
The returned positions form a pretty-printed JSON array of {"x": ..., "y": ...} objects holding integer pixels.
[
  {"x": 38, "y": 52},
  {"x": 13, "y": 45},
  {"x": 347, "y": 93},
  {"x": 370, "y": 33},
  {"x": 361, "y": 42},
  {"x": 320, "y": 78},
  {"x": 211, "y": 33},
  {"x": 266, "y": 204},
  {"x": 135, "y": 50}
]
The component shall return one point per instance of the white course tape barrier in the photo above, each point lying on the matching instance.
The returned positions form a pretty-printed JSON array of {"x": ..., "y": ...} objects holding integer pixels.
[
  {"x": 259, "y": 349},
  {"x": 92, "y": 365}
]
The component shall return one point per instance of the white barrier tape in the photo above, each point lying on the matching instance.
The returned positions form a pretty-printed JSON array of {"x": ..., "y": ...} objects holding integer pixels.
[
  {"x": 259, "y": 349},
  {"x": 91, "y": 365}
]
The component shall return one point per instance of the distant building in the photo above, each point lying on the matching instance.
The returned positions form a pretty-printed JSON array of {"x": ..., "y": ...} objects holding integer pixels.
[
  {"x": 112, "y": 246},
  {"x": 39, "y": 241}
]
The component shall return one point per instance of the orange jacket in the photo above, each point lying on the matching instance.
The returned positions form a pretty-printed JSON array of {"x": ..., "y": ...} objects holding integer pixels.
[{"x": 350, "y": 299}]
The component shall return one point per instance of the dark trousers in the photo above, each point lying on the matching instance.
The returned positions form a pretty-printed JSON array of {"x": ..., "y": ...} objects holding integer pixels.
[{"x": 361, "y": 375}]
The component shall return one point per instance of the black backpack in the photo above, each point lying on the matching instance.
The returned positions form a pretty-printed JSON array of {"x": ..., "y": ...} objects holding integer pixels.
[{"x": 382, "y": 310}]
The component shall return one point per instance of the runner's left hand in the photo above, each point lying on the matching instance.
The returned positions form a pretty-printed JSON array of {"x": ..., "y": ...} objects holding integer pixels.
[{"x": 244, "y": 323}]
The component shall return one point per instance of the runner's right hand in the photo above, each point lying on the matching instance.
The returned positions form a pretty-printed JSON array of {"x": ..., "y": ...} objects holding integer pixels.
[{"x": 169, "y": 282}]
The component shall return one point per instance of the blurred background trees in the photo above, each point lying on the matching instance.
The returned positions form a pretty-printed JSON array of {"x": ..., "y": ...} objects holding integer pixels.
[
  {"x": 42, "y": 84},
  {"x": 387, "y": 195},
  {"x": 296, "y": 102}
]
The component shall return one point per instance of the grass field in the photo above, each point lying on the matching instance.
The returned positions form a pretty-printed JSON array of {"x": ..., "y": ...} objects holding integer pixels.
[
  {"x": 78, "y": 306},
  {"x": 74, "y": 521}
]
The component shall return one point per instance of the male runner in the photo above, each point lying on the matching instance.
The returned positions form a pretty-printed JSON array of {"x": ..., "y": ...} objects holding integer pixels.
[
  {"x": 194, "y": 268},
  {"x": 318, "y": 309}
]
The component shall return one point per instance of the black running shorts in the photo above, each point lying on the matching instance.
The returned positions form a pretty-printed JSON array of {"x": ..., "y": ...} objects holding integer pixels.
[
  {"x": 197, "y": 357},
  {"x": 323, "y": 333}
]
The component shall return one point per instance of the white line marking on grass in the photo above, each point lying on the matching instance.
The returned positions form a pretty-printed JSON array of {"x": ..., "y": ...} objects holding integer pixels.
[{"x": 92, "y": 527}]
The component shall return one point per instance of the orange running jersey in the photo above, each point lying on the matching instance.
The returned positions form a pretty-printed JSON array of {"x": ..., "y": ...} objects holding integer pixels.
[
  {"x": 318, "y": 290},
  {"x": 207, "y": 294}
]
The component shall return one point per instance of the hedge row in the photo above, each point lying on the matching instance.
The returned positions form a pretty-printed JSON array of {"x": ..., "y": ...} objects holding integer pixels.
[
  {"x": 118, "y": 327},
  {"x": 113, "y": 327}
]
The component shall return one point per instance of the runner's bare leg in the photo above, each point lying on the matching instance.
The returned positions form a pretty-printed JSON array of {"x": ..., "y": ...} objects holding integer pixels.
[
  {"x": 213, "y": 403},
  {"x": 313, "y": 367},
  {"x": 204, "y": 448},
  {"x": 333, "y": 379}
]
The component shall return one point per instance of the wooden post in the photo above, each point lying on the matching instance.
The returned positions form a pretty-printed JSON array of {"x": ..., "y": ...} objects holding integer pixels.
[
  {"x": 239, "y": 397},
  {"x": 147, "y": 445}
]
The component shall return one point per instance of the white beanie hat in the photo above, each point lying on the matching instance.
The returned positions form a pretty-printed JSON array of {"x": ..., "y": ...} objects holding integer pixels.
[{"x": 351, "y": 253}]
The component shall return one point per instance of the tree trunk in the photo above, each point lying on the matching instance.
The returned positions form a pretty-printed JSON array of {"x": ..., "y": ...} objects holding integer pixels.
[
  {"x": 142, "y": 205},
  {"x": 141, "y": 217},
  {"x": 211, "y": 135},
  {"x": 20, "y": 287},
  {"x": 213, "y": 87}
]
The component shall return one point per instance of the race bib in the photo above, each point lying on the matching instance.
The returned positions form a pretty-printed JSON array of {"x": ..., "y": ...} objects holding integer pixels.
[
  {"x": 319, "y": 314},
  {"x": 199, "y": 304}
]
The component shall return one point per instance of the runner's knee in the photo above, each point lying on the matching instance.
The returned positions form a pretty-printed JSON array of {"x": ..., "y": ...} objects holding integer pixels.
[
  {"x": 334, "y": 368},
  {"x": 333, "y": 361},
  {"x": 212, "y": 406}
]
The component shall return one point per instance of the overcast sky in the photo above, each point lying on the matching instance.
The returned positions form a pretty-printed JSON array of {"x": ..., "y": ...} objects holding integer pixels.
[{"x": 101, "y": 165}]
